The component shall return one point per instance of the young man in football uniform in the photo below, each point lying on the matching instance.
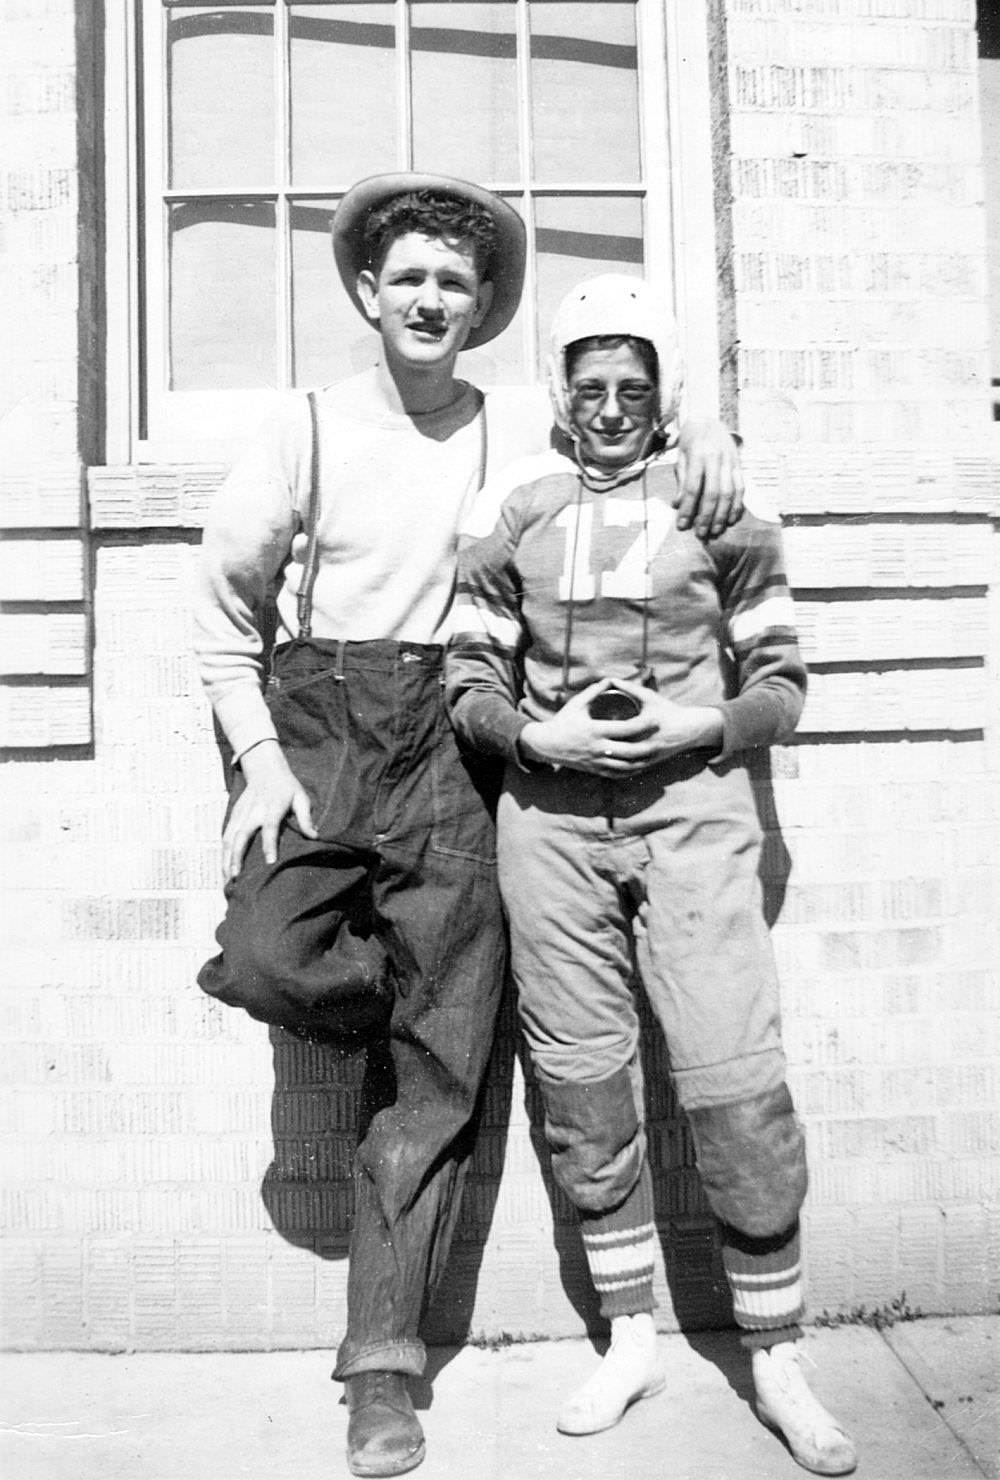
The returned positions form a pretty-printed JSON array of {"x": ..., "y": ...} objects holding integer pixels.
[{"x": 623, "y": 669}]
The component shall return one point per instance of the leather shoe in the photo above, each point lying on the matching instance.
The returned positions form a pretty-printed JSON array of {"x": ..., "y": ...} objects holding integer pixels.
[{"x": 384, "y": 1436}]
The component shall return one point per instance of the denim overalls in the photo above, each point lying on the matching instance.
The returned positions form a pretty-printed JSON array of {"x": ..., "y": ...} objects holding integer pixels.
[{"x": 388, "y": 929}]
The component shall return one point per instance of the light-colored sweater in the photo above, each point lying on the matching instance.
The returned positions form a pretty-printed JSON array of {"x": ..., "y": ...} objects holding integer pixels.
[
  {"x": 718, "y": 614},
  {"x": 393, "y": 489}
]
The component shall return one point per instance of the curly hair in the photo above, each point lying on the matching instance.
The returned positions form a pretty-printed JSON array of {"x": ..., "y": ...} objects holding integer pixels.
[{"x": 432, "y": 213}]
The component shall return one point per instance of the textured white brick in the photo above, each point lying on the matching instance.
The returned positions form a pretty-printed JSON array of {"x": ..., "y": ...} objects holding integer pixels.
[
  {"x": 36, "y": 570},
  {"x": 43, "y": 644},
  {"x": 44, "y": 717},
  {"x": 887, "y": 555}
]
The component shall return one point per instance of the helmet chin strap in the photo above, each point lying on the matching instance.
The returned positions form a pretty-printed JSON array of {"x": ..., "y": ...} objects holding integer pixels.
[{"x": 599, "y": 480}]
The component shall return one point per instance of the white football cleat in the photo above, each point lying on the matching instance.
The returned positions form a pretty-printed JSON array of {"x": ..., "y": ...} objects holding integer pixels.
[
  {"x": 630, "y": 1370},
  {"x": 785, "y": 1404}
]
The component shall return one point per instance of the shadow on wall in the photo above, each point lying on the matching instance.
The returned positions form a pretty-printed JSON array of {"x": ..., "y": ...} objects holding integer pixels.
[
  {"x": 308, "y": 1190},
  {"x": 776, "y": 862}
]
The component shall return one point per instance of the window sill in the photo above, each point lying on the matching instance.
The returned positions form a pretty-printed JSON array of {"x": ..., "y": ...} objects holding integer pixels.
[{"x": 152, "y": 496}]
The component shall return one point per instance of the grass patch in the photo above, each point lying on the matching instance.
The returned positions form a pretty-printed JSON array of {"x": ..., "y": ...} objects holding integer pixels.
[
  {"x": 879, "y": 1317},
  {"x": 498, "y": 1342}
]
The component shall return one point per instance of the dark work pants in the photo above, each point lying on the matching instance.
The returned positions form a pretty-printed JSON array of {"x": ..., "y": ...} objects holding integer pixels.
[{"x": 406, "y": 847}]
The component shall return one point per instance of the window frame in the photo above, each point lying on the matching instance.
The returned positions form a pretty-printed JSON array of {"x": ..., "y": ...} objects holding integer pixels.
[{"x": 676, "y": 185}]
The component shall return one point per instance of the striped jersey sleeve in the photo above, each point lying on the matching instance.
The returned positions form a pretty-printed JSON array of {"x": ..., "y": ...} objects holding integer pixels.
[
  {"x": 760, "y": 631},
  {"x": 482, "y": 669}
]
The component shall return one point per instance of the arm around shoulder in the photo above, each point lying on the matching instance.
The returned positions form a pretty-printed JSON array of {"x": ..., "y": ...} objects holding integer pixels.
[{"x": 710, "y": 484}]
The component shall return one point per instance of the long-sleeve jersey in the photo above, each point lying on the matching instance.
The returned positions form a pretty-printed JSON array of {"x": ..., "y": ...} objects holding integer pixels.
[
  {"x": 393, "y": 488},
  {"x": 555, "y": 578}
]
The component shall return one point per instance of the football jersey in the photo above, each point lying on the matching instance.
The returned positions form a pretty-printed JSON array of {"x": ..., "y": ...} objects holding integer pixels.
[{"x": 560, "y": 585}]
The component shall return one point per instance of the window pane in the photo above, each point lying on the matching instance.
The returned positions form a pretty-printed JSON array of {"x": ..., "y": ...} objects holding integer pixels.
[
  {"x": 585, "y": 96},
  {"x": 330, "y": 340},
  {"x": 221, "y": 98},
  {"x": 465, "y": 90},
  {"x": 501, "y": 362},
  {"x": 343, "y": 92},
  {"x": 578, "y": 237},
  {"x": 222, "y": 291}
]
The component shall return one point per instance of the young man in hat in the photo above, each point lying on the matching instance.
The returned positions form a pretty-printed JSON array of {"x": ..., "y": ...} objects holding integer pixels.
[{"x": 358, "y": 848}]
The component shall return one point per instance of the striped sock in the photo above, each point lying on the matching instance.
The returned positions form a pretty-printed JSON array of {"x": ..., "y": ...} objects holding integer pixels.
[
  {"x": 620, "y": 1248},
  {"x": 765, "y": 1277}
]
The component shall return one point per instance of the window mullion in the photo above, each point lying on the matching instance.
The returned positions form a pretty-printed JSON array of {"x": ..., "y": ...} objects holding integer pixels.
[
  {"x": 121, "y": 231},
  {"x": 529, "y": 332},
  {"x": 156, "y": 91},
  {"x": 692, "y": 229},
  {"x": 654, "y": 135},
  {"x": 283, "y": 172},
  {"x": 222, "y": 191},
  {"x": 404, "y": 86}
]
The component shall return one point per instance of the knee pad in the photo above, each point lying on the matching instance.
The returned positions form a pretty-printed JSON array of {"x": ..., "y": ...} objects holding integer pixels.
[
  {"x": 752, "y": 1160},
  {"x": 597, "y": 1144}
]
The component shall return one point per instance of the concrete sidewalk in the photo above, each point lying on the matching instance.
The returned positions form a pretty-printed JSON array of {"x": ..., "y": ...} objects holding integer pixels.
[{"x": 923, "y": 1400}]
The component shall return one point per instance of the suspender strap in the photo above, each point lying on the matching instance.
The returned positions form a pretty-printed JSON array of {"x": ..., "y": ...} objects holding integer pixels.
[
  {"x": 311, "y": 527},
  {"x": 311, "y": 562},
  {"x": 644, "y": 660},
  {"x": 483, "y": 446}
]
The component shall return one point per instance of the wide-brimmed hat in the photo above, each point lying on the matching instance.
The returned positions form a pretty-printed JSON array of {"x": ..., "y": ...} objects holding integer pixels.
[{"x": 505, "y": 268}]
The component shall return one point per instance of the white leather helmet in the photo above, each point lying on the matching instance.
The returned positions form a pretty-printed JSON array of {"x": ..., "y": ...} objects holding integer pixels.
[{"x": 616, "y": 304}]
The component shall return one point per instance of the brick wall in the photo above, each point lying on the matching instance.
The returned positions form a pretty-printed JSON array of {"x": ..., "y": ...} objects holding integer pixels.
[
  {"x": 175, "y": 1178},
  {"x": 858, "y": 259},
  {"x": 48, "y": 309}
]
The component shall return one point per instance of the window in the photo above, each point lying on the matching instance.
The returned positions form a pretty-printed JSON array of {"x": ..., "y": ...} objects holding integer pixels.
[{"x": 252, "y": 117}]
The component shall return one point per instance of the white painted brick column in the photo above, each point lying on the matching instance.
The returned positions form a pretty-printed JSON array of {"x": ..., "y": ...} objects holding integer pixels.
[{"x": 47, "y": 292}]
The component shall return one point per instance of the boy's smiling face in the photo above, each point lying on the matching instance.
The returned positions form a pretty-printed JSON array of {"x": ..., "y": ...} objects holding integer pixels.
[
  {"x": 426, "y": 298},
  {"x": 613, "y": 406}
]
